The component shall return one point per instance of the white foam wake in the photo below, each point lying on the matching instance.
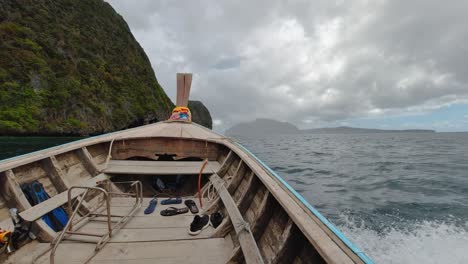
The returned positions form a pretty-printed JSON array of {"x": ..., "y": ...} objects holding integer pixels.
[{"x": 420, "y": 242}]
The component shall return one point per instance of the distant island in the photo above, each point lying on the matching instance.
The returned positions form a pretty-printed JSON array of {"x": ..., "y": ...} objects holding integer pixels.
[{"x": 263, "y": 126}]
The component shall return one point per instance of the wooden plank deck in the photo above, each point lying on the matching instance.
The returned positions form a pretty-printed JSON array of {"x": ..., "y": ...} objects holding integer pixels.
[
  {"x": 159, "y": 167},
  {"x": 146, "y": 228},
  {"x": 144, "y": 239},
  {"x": 210, "y": 251}
]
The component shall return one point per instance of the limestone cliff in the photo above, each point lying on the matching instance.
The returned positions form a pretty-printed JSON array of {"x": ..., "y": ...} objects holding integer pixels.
[{"x": 73, "y": 67}]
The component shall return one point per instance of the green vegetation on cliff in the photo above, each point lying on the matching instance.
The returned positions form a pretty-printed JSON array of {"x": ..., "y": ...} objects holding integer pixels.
[{"x": 73, "y": 67}]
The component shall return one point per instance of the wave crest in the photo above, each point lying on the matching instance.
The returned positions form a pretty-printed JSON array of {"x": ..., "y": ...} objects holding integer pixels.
[{"x": 416, "y": 242}]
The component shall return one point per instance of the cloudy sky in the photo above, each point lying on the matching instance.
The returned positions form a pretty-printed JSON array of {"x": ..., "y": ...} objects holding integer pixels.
[{"x": 375, "y": 63}]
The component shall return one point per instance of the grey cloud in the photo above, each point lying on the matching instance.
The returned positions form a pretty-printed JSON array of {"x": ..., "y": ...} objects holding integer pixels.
[
  {"x": 228, "y": 63},
  {"x": 304, "y": 60}
]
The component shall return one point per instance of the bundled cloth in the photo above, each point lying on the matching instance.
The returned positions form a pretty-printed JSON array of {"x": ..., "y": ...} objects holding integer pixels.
[{"x": 181, "y": 113}]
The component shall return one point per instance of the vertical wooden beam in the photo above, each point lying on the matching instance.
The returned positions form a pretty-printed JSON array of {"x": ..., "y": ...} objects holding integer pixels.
[
  {"x": 287, "y": 244},
  {"x": 56, "y": 175},
  {"x": 12, "y": 192},
  {"x": 187, "y": 84},
  {"x": 88, "y": 161},
  {"x": 237, "y": 177},
  {"x": 264, "y": 212},
  {"x": 184, "y": 81},
  {"x": 180, "y": 88},
  {"x": 226, "y": 163},
  {"x": 246, "y": 198},
  {"x": 15, "y": 197}
]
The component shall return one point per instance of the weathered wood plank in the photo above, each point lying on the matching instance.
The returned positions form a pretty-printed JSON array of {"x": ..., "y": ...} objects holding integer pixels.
[
  {"x": 151, "y": 148},
  {"x": 56, "y": 176},
  {"x": 286, "y": 244},
  {"x": 246, "y": 239},
  {"x": 184, "y": 80},
  {"x": 239, "y": 174},
  {"x": 262, "y": 215},
  {"x": 4, "y": 210},
  {"x": 159, "y": 167},
  {"x": 243, "y": 186},
  {"x": 246, "y": 198},
  {"x": 29, "y": 172},
  {"x": 37, "y": 211},
  {"x": 87, "y": 161},
  {"x": 180, "y": 89},
  {"x": 214, "y": 250},
  {"x": 277, "y": 231},
  {"x": 236, "y": 256},
  {"x": 143, "y": 235},
  {"x": 242, "y": 203},
  {"x": 226, "y": 163},
  {"x": 151, "y": 221}
]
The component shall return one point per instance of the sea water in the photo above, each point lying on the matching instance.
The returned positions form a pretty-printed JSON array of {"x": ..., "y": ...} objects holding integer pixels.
[{"x": 400, "y": 197}]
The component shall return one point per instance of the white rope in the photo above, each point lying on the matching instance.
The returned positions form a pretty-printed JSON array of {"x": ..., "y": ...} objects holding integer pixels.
[
  {"x": 211, "y": 190},
  {"x": 243, "y": 225},
  {"x": 109, "y": 156}
]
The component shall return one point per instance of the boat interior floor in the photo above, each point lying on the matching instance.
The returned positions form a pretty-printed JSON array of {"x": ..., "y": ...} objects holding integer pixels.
[{"x": 145, "y": 238}]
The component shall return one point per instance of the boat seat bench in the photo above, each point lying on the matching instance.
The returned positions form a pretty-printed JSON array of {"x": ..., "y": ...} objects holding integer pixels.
[
  {"x": 37, "y": 211},
  {"x": 138, "y": 167}
]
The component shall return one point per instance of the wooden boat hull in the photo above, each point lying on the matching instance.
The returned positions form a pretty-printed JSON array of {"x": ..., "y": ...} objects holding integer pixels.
[{"x": 266, "y": 221}]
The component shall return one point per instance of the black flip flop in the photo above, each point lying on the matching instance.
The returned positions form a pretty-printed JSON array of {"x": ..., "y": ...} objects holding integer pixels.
[
  {"x": 174, "y": 211},
  {"x": 173, "y": 200},
  {"x": 192, "y": 206}
]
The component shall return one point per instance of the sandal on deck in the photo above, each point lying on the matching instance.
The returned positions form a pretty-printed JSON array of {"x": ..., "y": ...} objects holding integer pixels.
[
  {"x": 174, "y": 211},
  {"x": 151, "y": 206},
  {"x": 192, "y": 206},
  {"x": 176, "y": 200}
]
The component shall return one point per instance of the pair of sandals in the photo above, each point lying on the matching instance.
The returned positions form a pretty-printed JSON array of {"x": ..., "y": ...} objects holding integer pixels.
[
  {"x": 175, "y": 211},
  {"x": 152, "y": 204}
]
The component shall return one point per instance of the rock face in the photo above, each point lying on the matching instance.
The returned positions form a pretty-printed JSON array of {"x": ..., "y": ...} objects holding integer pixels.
[
  {"x": 261, "y": 127},
  {"x": 73, "y": 67},
  {"x": 200, "y": 114}
]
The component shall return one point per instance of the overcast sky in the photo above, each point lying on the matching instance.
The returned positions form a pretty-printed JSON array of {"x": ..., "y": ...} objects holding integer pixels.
[{"x": 384, "y": 64}]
